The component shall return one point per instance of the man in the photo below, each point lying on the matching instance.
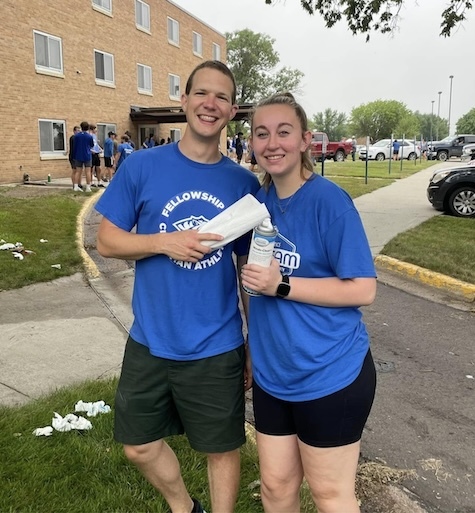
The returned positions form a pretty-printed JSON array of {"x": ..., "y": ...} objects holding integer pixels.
[
  {"x": 396, "y": 146},
  {"x": 183, "y": 369},
  {"x": 109, "y": 154},
  {"x": 239, "y": 147},
  {"x": 353, "y": 148},
  {"x": 82, "y": 144},
  {"x": 96, "y": 150},
  {"x": 72, "y": 163},
  {"x": 123, "y": 151}
]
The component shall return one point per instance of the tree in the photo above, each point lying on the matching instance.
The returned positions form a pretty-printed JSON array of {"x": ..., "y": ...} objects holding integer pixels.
[
  {"x": 381, "y": 118},
  {"x": 253, "y": 60},
  {"x": 466, "y": 124},
  {"x": 331, "y": 122},
  {"x": 365, "y": 16},
  {"x": 439, "y": 126}
]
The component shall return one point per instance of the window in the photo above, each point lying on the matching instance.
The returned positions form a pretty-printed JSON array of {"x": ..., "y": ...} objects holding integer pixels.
[
  {"x": 173, "y": 31},
  {"x": 48, "y": 53},
  {"x": 103, "y": 6},
  {"x": 216, "y": 52},
  {"x": 102, "y": 130},
  {"x": 142, "y": 15},
  {"x": 52, "y": 139},
  {"x": 175, "y": 134},
  {"x": 197, "y": 44},
  {"x": 144, "y": 78},
  {"x": 174, "y": 86},
  {"x": 104, "y": 67}
]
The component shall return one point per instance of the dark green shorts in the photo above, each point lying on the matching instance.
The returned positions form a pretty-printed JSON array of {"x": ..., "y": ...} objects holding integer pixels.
[{"x": 203, "y": 398}]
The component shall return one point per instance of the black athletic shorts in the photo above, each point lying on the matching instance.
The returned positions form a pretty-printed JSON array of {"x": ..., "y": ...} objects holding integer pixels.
[
  {"x": 96, "y": 161},
  {"x": 332, "y": 421},
  {"x": 157, "y": 397}
]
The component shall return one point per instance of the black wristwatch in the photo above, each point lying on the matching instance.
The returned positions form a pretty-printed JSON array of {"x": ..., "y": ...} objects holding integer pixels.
[{"x": 283, "y": 290}]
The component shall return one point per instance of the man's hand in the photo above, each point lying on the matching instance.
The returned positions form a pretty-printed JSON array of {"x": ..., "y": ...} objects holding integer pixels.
[{"x": 187, "y": 245}]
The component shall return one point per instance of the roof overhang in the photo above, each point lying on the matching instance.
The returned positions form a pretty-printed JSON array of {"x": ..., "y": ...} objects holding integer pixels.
[{"x": 157, "y": 115}]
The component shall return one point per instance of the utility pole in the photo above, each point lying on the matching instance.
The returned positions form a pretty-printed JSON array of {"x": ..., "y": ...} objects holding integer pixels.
[
  {"x": 450, "y": 98},
  {"x": 438, "y": 116}
]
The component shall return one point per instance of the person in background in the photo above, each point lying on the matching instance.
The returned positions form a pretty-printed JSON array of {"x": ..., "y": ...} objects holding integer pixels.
[
  {"x": 109, "y": 154},
  {"x": 123, "y": 151},
  {"x": 96, "y": 150},
  {"x": 184, "y": 363},
  {"x": 72, "y": 162},
  {"x": 396, "y": 147},
  {"x": 82, "y": 145},
  {"x": 313, "y": 375},
  {"x": 353, "y": 148},
  {"x": 130, "y": 141},
  {"x": 239, "y": 147}
]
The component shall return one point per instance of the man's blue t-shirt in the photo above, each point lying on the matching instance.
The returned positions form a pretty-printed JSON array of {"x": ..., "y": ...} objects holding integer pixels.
[
  {"x": 83, "y": 142},
  {"x": 124, "y": 150},
  {"x": 183, "y": 310},
  {"x": 108, "y": 147}
]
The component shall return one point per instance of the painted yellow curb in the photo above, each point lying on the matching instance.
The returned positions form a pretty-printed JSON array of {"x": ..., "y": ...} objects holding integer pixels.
[
  {"x": 461, "y": 289},
  {"x": 90, "y": 267}
]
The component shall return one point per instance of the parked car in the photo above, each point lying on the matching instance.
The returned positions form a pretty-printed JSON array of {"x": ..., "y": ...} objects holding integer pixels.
[
  {"x": 450, "y": 146},
  {"x": 453, "y": 190},
  {"x": 468, "y": 152},
  {"x": 382, "y": 150},
  {"x": 338, "y": 151}
]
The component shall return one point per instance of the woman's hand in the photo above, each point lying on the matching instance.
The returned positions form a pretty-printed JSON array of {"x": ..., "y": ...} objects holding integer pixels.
[{"x": 262, "y": 279}]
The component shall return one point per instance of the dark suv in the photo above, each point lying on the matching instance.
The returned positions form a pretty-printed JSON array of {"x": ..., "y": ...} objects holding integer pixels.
[
  {"x": 453, "y": 190},
  {"x": 451, "y": 146}
]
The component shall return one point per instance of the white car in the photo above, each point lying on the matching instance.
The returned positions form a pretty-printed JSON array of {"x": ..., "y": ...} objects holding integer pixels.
[
  {"x": 382, "y": 150},
  {"x": 468, "y": 152}
]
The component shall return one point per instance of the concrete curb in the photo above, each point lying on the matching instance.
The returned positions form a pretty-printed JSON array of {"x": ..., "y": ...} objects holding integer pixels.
[
  {"x": 460, "y": 289},
  {"x": 90, "y": 267}
]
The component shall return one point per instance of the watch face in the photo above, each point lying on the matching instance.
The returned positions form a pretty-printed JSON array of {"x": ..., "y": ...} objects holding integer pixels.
[{"x": 283, "y": 290}]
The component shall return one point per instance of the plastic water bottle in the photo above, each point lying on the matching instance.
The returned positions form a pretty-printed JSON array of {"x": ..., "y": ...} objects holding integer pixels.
[
  {"x": 261, "y": 249},
  {"x": 49, "y": 178}
]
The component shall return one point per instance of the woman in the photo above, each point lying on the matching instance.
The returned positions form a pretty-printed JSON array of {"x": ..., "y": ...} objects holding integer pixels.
[{"x": 314, "y": 377}]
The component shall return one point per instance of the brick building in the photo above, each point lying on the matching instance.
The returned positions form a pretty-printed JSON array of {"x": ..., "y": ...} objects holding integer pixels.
[{"x": 103, "y": 61}]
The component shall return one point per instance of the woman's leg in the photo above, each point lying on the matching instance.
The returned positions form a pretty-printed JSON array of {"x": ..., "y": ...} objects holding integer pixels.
[
  {"x": 330, "y": 473},
  {"x": 281, "y": 473}
]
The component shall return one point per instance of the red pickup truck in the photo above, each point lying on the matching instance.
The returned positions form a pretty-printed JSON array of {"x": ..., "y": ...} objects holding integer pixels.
[{"x": 337, "y": 151}]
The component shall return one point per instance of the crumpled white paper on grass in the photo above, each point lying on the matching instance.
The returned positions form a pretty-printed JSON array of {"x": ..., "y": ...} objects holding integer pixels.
[
  {"x": 71, "y": 421},
  {"x": 238, "y": 219},
  {"x": 92, "y": 409}
]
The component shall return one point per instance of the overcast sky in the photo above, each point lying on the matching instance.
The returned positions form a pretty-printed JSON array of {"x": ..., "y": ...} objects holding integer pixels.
[{"x": 342, "y": 71}]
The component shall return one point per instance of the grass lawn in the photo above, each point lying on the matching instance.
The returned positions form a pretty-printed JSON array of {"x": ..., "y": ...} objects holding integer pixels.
[
  {"x": 28, "y": 215},
  {"x": 87, "y": 472}
]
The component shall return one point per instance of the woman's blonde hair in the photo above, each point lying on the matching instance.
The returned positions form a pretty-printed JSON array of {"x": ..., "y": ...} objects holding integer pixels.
[{"x": 287, "y": 99}]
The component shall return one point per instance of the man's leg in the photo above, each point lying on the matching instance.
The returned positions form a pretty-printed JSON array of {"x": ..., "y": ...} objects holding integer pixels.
[
  {"x": 160, "y": 466},
  {"x": 77, "y": 171},
  {"x": 88, "y": 179},
  {"x": 223, "y": 476}
]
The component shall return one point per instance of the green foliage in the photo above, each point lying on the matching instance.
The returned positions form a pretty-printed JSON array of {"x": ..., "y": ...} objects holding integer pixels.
[
  {"x": 381, "y": 118},
  {"x": 366, "y": 16},
  {"x": 466, "y": 124},
  {"x": 331, "y": 122},
  {"x": 437, "y": 131},
  {"x": 253, "y": 60}
]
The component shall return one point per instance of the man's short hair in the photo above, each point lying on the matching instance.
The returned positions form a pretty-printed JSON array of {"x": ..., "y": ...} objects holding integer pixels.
[
  {"x": 84, "y": 126},
  {"x": 218, "y": 66},
  {"x": 111, "y": 133}
]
